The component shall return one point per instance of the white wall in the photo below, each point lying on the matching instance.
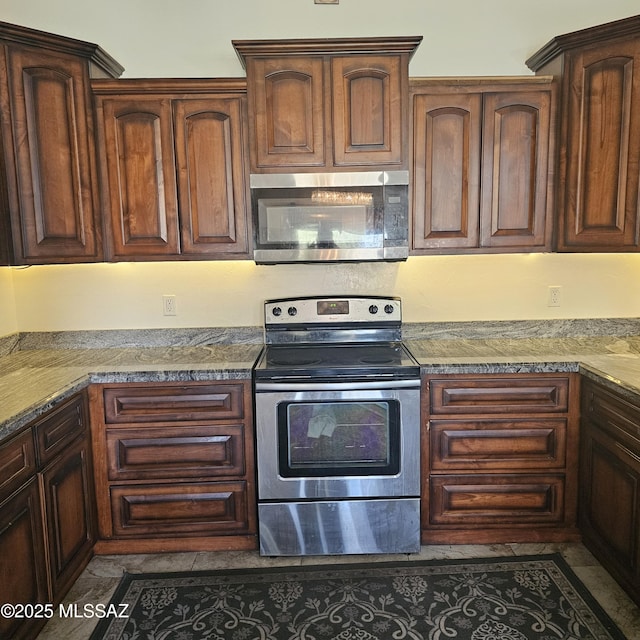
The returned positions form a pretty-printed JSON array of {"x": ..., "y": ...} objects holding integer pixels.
[{"x": 193, "y": 38}]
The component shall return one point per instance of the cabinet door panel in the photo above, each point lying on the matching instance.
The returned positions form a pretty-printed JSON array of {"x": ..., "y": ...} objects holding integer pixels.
[
  {"x": 175, "y": 452},
  {"x": 601, "y": 198},
  {"x": 367, "y": 110},
  {"x": 143, "y": 208},
  {"x": 69, "y": 498},
  {"x": 173, "y": 403},
  {"x": 213, "y": 508},
  {"x": 288, "y": 106},
  {"x": 60, "y": 427},
  {"x": 54, "y": 164},
  {"x": 446, "y": 171},
  {"x": 17, "y": 462},
  {"x": 497, "y": 499},
  {"x": 499, "y": 395},
  {"x": 609, "y": 513},
  {"x": 498, "y": 444},
  {"x": 515, "y": 169},
  {"x": 23, "y": 577},
  {"x": 210, "y": 160}
]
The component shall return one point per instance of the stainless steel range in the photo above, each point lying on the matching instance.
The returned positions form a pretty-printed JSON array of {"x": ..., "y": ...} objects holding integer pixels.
[{"x": 338, "y": 429}]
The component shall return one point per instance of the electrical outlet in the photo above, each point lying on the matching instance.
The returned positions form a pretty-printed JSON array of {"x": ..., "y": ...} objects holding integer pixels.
[
  {"x": 554, "y": 296},
  {"x": 169, "y": 307}
]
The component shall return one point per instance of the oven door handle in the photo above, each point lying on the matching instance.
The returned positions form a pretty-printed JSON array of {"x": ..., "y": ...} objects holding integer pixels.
[{"x": 337, "y": 386}]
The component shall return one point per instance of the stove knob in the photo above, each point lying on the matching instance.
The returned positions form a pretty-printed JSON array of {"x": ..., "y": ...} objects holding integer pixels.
[
  {"x": 373, "y": 309},
  {"x": 388, "y": 308},
  {"x": 292, "y": 311},
  {"x": 277, "y": 311}
]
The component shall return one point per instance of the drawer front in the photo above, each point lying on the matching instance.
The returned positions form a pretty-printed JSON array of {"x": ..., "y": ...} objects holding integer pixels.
[
  {"x": 173, "y": 403},
  {"x": 215, "y": 508},
  {"x": 60, "y": 428},
  {"x": 496, "y": 500},
  {"x": 148, "y": 453},
  {"x": 17, "y": 463},
  {"x": 498, "y": 444},
  {"x": 614, "y": 414},
  {"x": 525, "y": 394}
]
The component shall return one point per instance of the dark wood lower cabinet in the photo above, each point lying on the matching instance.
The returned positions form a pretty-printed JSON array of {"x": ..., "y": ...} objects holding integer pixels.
[
  {"x": 69, "y": 498},
  {"x": 204, "y": 508},
  {"x": 499, "y": 457},
  {"x": 23, "y": 571},
  {"x": 610, "y": 483},
  {"x": 176, "y": 468},
  {"x": 47, "y": 517}
]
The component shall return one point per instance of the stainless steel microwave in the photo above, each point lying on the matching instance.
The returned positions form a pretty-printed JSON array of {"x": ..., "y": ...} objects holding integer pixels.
[{"x": 330, "y": 217}]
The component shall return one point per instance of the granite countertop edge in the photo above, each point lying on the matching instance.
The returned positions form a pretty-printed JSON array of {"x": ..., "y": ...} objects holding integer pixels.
[{"x": 36, "y": 377}]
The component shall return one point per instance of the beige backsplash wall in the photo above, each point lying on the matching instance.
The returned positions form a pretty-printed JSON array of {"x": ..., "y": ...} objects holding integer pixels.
[
  {"x": 8, "y": 321},
  {"x": 191, "y": 39},
  {"x": 433, "y": 288}
]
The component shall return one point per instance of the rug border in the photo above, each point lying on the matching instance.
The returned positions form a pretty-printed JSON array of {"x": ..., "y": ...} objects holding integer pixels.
[{"x": 607, "y": 622}]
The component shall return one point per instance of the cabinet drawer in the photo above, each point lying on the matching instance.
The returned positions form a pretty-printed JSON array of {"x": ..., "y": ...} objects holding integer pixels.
[
  {"x": 614, "y": 414},
  {"x": 17, "y": 462},
  {"x": 498, "y": 444},
  {"x": 172, "y": 403},
  {"x": 175, "y": 452},
  {"x": 215, "y": 508},
  {"x": 530, "y": 394},
  {"x": 506, "y": 499},
  {"x": 60, "y": 428}
]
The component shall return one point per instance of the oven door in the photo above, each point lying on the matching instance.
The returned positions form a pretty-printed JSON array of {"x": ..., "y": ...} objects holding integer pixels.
[{"x": 338, "y": 440}]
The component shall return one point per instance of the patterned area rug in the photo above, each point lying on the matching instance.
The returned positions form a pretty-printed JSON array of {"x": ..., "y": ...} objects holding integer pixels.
[{"x": 523, "y": 598}]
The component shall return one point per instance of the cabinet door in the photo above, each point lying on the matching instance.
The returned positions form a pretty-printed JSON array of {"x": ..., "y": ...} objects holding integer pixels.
[
  {"x": 23, "y": 573},
  {"x": 211, "y": 177},
  {"x": 49, "y": 157},
  {"x": 446, "y": 171},
  {"x": 367, "y": 110},
  {"x": 288, "y": 105},
  {"x": 141, "y": 202},
  {"x": 610, "y": 505},
  {"x": 599, "y": 203},
  {"x": 515, "y": 210},
  {"x": 69, "y": 499}
]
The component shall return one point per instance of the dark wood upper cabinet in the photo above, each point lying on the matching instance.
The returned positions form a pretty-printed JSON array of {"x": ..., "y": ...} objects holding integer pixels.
[
  {"x": 173, "y": 168},
  {"x": 482, "y": 164},
  {"x": 335, "y": 104},
  {"x": 599, "y": 135},
  {"x": 49, "y": 183},
  {"x": 136, "y": 151}
]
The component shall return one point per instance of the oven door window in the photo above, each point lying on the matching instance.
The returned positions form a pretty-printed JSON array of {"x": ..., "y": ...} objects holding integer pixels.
[{"x": 338, "y": 438}]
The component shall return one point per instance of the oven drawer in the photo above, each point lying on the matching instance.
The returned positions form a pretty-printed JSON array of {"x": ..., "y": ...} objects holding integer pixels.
[
  {"x": 173, "y": 403},
  {"x": 498, "y": 444},
  {"x": 146, "y": 453},
  {"x": 203, "y": 508},
  {"x": 506, "y": 499},
  {"x": 489, "y": 394}
]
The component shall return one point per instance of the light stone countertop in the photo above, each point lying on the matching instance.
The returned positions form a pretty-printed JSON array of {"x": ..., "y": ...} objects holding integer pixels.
[
  {"x": 33, "y": 381},
  {"x": 38, "y": 371}
]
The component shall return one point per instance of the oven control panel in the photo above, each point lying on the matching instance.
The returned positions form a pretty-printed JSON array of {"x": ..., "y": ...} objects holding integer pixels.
[{"x": 333, "y": 310}]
